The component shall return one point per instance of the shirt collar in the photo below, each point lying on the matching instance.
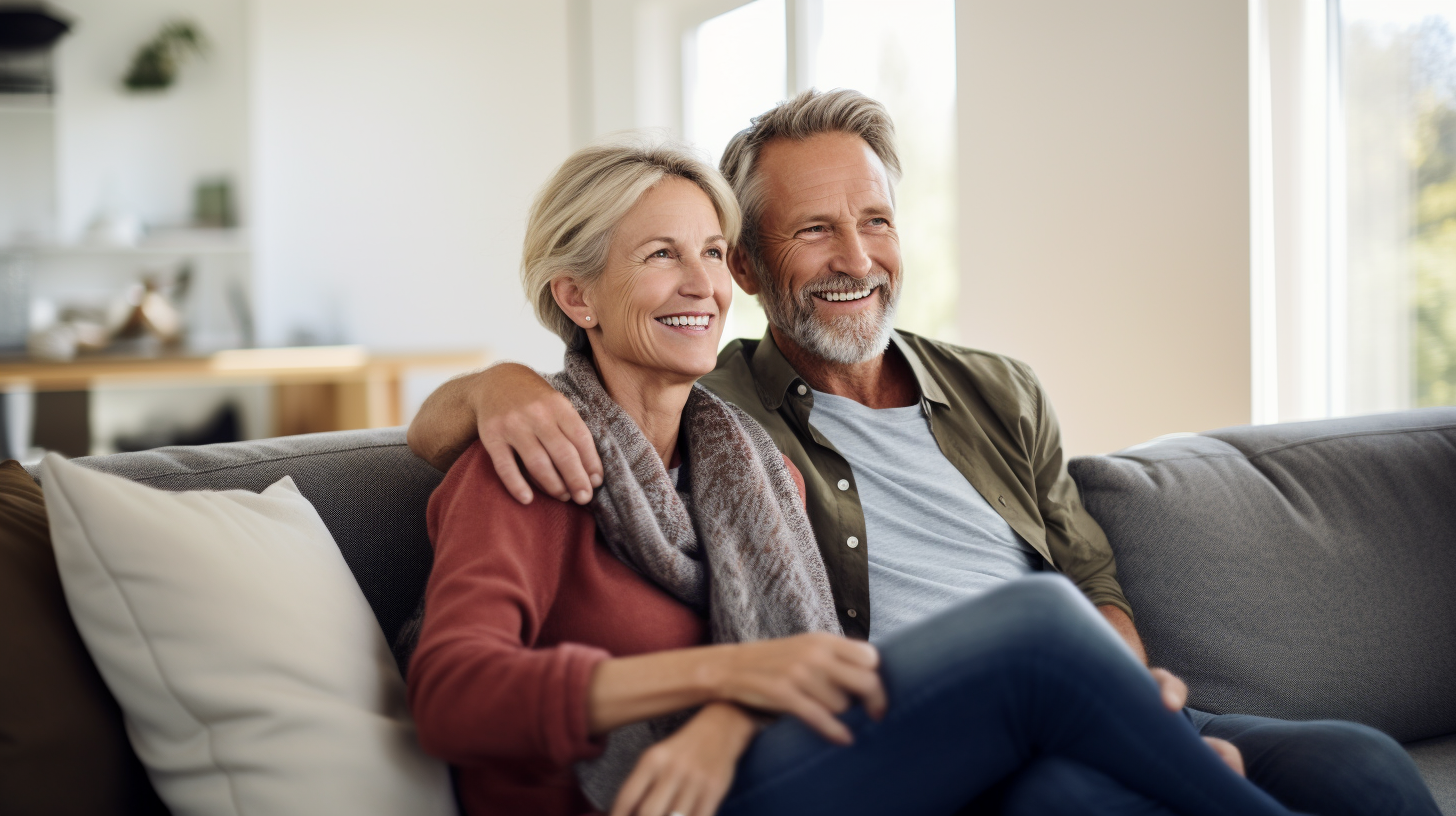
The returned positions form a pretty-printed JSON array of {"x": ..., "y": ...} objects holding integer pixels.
[{"x": 773, "y": 373}]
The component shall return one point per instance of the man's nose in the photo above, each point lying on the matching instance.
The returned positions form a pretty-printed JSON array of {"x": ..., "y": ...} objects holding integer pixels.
[{"x": 851, "y": 259}]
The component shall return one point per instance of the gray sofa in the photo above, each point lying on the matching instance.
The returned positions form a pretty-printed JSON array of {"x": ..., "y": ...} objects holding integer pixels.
[{"x": 1302, "y": 570}]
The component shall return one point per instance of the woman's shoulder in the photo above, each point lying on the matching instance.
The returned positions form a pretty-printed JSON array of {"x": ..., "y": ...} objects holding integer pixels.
[{"x": 472, "y": 485}]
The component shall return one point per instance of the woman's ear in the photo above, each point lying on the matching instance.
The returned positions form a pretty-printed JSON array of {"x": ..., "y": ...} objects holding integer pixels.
[
  {"x": 742, "y": 270},
  {"x": 573, "y": 300}
]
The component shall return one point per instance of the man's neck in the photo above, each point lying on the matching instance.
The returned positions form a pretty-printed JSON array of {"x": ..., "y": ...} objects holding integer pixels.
[{"x": 884, "y": 381}]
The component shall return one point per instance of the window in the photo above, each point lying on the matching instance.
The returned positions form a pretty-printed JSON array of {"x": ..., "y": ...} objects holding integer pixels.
[
  {"x": 741, "y": 63},
  {"x": 1398, "y": 72}
]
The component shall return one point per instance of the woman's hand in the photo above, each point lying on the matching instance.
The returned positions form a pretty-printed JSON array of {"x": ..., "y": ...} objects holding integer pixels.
[
  {"x": 814, "y": 677},
  {"x": 688, "y": 773}
]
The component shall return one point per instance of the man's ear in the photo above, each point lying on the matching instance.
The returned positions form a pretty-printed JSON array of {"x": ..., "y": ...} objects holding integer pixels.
[
  {"x": 741, "y": 268},
  {"x": 573, "y": 300}
]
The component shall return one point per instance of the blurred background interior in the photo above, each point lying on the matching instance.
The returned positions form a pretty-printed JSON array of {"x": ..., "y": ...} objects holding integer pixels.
[{"x": 233, "y": 219}]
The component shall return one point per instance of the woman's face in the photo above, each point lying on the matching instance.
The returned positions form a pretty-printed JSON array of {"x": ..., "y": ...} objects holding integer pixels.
[{"x": 659, "y": 304}]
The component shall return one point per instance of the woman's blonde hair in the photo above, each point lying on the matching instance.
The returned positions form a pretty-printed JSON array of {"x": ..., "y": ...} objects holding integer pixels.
[{"x": 572, "y": 219}]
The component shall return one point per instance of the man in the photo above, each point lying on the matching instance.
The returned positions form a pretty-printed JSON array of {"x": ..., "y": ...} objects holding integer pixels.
[{"x": 932, "y": 472}]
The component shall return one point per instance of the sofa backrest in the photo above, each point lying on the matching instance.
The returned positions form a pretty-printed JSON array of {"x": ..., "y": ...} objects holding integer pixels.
[
  {"x": 367, "y": 486},
  {"x": 1303, "y": 570}
]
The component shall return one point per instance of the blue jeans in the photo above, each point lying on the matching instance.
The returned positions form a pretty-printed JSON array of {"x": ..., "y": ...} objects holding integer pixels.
[
  {"x": 1027, "y": 672},
  {"x": 1327, "y": 767}
]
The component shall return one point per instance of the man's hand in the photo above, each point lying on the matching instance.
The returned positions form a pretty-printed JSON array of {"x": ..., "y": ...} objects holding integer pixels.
[
  {"x": 1175, "y": 695},
  {"x": 689, "y": 772},
  {"x": 519, "y": 414},
  {"x": 514, "y": 412},
  {"x": 1228, "y": 752},
  {"x": 1174, "y": 691}
]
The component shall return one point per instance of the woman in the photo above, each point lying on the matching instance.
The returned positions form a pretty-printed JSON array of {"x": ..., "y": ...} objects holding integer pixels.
[{"x": 562, "y": 662}]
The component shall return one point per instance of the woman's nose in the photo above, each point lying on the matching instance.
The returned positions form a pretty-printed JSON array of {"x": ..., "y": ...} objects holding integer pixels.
[{"x": 696, "y": 283}]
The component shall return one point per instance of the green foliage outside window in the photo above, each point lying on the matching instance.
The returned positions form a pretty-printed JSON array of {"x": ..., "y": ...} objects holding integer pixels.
[{"x": 1426, "y": 55}]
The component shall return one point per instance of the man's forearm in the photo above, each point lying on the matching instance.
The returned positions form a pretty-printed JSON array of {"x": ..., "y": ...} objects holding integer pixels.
[
  {"x": 1125, "y": 629},
  {"x": 445, "y": 425}
]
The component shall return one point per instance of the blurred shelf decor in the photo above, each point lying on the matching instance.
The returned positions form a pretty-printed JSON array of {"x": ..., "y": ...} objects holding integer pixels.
[
  {"x": 27, "y": 33},
  {"x": 155, "y": 66}
]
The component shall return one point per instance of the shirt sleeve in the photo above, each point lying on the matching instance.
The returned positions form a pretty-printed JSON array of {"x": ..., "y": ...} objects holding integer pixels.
[
  {"x": 477, "y": 688},
  {"x": 1074, "y": 538}
]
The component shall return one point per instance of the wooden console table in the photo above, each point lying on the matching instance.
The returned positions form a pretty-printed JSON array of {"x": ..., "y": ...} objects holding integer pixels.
[{"x": 316, "y": 388}]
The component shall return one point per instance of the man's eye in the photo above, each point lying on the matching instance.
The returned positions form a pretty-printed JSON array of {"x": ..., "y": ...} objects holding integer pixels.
[
  {"x": 817, "y": 228},
  {"x": 880, "y": 222}
]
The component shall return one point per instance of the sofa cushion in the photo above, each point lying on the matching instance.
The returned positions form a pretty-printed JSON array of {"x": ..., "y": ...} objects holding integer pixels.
[
  {"x": 1303, "y": 570},
  {"x": 253, "y": 674},
  {"x": 63, "y": 747},
  {"x": 1437, "y": 760},
  {"x": 367, "y": 486}
]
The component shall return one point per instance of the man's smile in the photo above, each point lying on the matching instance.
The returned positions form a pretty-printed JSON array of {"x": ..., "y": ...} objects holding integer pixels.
[{"x": 848, "y": 294}]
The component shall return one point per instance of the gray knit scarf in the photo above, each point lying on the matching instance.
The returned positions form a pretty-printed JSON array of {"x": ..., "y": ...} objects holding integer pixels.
[{"x": 740, "y": 552}]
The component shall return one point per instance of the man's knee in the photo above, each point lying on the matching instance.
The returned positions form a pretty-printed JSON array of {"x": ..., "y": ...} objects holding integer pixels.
[
  {"x": 1358, "y": 750},
  {"x": 1323, "y": 744},
  {"x": 1333, "y": 767}
]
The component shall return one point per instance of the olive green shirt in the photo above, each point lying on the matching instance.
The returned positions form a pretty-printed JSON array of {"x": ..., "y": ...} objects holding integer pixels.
[{"x": 991, "y": 419}]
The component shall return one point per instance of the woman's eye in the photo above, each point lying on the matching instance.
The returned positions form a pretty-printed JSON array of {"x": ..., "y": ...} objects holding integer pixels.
[
  {"x": 714, "y": 252},
  {"x": 661, "y": 253}
]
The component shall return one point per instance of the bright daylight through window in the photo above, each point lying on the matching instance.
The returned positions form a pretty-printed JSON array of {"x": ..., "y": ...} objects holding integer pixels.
[
  {"x": 1398, "y": 75},
  {"x": 903, "y": 54}
]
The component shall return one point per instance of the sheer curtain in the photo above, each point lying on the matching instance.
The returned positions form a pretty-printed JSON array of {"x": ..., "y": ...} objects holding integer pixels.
[{"x": 1356, "y": 263}]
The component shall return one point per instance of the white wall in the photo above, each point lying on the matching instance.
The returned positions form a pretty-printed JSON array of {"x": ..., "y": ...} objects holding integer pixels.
[
  {"x": 143, "y": 153},
  {"x": 397, "y": 147},
  {"x": 27, "y": 173},
  {"x": 1104, "y": 207}
]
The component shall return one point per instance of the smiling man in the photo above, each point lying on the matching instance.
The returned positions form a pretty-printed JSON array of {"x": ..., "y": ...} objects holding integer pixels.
[{"x": 932, "y": 472}]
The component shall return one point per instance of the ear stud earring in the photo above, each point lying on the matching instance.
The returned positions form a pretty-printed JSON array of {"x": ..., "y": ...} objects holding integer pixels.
[{"x": 588, "y": 318}]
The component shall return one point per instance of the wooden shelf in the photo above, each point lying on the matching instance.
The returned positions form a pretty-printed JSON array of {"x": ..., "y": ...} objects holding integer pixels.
[{"x": 318, "y": 388}]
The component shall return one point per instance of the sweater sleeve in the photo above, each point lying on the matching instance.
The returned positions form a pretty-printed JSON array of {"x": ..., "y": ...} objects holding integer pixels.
[{"x": 477, "y": 688}]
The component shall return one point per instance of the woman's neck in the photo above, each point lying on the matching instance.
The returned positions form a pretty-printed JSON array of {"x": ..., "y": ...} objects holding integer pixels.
[{"x": 650, "y": 398}]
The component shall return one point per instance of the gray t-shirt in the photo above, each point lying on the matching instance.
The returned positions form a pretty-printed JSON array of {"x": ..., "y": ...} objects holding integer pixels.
[{"x": 933, "y": 539}]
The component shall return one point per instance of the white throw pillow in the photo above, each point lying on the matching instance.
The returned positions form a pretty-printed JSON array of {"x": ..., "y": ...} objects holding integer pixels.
[{"x": 254, "y": 678}]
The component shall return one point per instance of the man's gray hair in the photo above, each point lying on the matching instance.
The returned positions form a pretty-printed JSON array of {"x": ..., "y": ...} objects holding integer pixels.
[{"x": 808, "y": 114}]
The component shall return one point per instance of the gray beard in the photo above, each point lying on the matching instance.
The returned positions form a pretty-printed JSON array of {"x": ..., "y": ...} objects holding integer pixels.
[{"x": 847, "y": 339}]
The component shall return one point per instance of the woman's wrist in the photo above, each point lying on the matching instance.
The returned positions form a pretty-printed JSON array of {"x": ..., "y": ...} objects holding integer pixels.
[
  {"x": 732, "y": 724},
  {"x": 710, "y": 671},
  {"x": 624, "y": 690}
]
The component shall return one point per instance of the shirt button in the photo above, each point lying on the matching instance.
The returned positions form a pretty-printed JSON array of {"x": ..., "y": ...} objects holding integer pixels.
[
  {"x": 1001, "y": 499},
  {"x": 843, "y": 484},
  {"x": 852, "y": 613},
  {"x": 852, "y": 542},
  {"x": 803, "y": 389}
]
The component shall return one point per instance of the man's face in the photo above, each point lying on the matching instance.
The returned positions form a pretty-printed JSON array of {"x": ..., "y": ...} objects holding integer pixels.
[{"x": 829, "y": 257}]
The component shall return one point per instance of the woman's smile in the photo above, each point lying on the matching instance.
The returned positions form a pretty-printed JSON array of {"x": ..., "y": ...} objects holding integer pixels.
[{"x": 689, "y": 323}]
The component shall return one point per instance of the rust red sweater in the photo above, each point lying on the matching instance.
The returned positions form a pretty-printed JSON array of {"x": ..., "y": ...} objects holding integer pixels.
[{"x": 522, "y": 603}]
